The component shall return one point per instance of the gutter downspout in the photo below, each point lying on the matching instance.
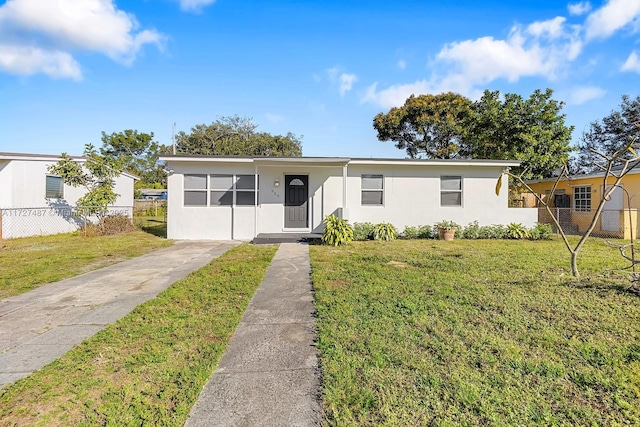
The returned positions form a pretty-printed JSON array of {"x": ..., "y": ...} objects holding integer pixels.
[
  {"x": 255, "y": 204},
  {"x": 344, "y": 189}
]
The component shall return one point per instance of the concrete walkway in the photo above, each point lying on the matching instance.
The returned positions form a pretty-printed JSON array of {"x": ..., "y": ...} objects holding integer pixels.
[
  {"x": 40, "y": 326},
  {"x": 269, "y": 375}
]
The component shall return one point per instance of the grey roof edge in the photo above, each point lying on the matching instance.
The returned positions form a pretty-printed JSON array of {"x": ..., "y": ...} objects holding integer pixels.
[
  {"x": 346, "y": 160},
  {"x": 50, "y": 157}
]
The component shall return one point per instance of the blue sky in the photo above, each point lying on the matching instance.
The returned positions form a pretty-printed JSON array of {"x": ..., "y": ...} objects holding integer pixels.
[{"x": 70, "y": 69}]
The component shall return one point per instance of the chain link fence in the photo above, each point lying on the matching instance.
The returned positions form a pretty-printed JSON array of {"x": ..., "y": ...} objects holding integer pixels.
[
  {"x": 24, "y": 222},
  {"x": 612, "y": 224}
]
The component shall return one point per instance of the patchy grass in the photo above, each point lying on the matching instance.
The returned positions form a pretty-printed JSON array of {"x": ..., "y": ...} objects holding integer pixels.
[
  {"x": 149, "y": 367},
  {"x": 156, "y": 225},
  {"x": 475, "y": 333},
  {"x": 29, "y": 262}
]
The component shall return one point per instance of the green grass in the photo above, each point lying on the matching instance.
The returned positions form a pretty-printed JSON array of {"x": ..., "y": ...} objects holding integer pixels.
[
  {"x": 29, "y": 262},
  {"x": 149, "y": 367},
  {"x": 156, "y": 225},
  {"x": 475, "y": 332}
]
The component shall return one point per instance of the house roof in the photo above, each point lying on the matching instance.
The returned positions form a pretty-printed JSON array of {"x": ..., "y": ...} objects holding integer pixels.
[
  {"x": 49, "y": 158},
  {"x": 338, "y": 161},
  {"x": 634, "y": 171}
]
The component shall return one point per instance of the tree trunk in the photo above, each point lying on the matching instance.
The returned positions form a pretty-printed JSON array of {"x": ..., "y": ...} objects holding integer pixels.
[{"x": 574, "y": 264}]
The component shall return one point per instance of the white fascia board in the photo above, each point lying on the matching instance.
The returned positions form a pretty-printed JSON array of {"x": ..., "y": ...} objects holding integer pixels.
[
  {"x": 436, "y": 162},
  {"x": 189, "y": 159}
]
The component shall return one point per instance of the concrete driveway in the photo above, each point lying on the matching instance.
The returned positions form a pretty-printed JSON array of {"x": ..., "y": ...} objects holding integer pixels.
[{"x": 40, "y": 326}]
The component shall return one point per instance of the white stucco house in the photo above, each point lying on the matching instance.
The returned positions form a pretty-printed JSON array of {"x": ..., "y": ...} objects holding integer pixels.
[
  {"x": 216, "y": 197},
  {"x": 35, "y": 202}
]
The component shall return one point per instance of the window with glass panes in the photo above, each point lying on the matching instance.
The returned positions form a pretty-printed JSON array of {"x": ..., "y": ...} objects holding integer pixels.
[
  {"x": 582, "y": 199},
  {"x": 372, "y": 187},
  {"x": 450, "y": 191},
  {"x": 222, "y": 190}
]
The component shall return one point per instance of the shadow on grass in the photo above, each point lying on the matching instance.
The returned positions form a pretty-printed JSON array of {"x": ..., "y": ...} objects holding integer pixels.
[{"x": 155, "y": 226}]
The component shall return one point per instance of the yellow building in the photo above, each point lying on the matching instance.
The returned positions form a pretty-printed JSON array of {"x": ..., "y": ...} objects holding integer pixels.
[{"x": 576, "y": 199}]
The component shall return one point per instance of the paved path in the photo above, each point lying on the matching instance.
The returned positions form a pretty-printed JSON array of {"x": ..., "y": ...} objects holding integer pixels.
[
  {"x": 268, "y": 375},
  {"x": 40, "y": 326}
]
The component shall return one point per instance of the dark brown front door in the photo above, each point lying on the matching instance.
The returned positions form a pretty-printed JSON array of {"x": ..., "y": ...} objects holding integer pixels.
[{"x": 295, "y": 201}]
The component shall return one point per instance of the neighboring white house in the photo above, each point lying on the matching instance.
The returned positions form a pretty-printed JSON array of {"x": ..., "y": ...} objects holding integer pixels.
[
  {"x": 213, "y": 197},
  {"x": 34, "y": 202}
]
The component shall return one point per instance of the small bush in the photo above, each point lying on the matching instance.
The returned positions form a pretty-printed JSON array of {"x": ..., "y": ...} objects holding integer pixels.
[
  {"x": 116, "y": 224},
  {"x": 362, "y": 231},
  {"x": 541, "y": 232},
  {"x": 427, "y": 232},
  {"x": 496, "y": 231},
  {"x": 517, "y": 231},
  {"x": 385, "y": 231},
  {"x": 410, "y": 232},
  {"x": 337, "y": 231},
  {"x": 471, "y": 231}
]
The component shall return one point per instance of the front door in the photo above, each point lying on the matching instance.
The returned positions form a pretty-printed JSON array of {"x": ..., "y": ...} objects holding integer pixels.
[
  {"x": 295, "y": 201},
  {"x": 610, "y": 219}
]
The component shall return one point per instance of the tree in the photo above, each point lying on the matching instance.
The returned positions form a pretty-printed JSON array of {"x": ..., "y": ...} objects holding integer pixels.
[
  {"x": 531, "y": 130},
  {"x": 450, "y": 126},
  {"x": 96, "y": 174},
  {"x": 608, "y": 135},
  {"x": 138, "y": 153},
  {"x": 235, "y": 136},
  {"x": 430, "y": 126},
  {"x": 615, "y": 165}
]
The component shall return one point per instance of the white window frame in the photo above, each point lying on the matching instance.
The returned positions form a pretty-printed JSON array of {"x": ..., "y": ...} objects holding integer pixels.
[
  {"x": 234, "y": 190},
  {"x": 59, "y": 192},
  {"x": 449, "y": 191},
  {"x": 578, "y": 191},
  {"x": 372, "y": 190}
]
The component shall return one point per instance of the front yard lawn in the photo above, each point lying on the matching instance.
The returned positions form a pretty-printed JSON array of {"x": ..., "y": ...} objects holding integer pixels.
[
  {"x": 475, "y": 332},
  {"x": 29, "y": 262},
  {"x": 148, "y": 368}
]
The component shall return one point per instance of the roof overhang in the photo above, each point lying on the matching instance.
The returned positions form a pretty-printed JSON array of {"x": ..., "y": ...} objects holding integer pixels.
[{"x": 339, "y": 161}]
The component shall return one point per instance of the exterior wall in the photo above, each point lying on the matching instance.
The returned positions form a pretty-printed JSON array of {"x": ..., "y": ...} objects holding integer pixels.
[
  {"x": 27, "y": 212},
  {"x": 412, "y": 197},
  {"x": 581, "y": 220},
  {"x": 207, "y": 223}
]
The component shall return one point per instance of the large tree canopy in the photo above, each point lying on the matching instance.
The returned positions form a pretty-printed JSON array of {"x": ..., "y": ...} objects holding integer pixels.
[
  {"x": 609, "y": 135},
  {"x": 235, "y": 136},
  {"x": 138, "y": 153},
  {"x": 430, "y": 126},
  {"x": 449, "y": 126}
]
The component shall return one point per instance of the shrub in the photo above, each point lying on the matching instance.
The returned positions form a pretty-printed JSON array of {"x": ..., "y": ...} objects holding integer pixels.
[
  {"x": 541, "y": 232},
  {"x": 517, "y": 231},
  {"x": 471, "y": 231},
  {"x": 337, "y": 231},
  {"x": 385, "y": 231},
  {"x": 495, "y": 231},
  {"x": 427, "y": 232},
  {"x": 410, "y": 232},
  {"x": 362, "y": 231}
]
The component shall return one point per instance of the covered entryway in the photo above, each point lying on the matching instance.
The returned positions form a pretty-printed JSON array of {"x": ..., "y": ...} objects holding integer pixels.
[{"x": 296, "y": 212}]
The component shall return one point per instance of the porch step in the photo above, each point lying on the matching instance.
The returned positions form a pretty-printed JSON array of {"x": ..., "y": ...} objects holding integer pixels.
[{"x": 274, "y": 238}]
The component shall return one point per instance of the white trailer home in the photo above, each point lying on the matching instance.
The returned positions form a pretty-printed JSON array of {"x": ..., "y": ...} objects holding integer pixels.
[
  {"x": 222, "y": 198},
  {"x": 35, "y": 202}
]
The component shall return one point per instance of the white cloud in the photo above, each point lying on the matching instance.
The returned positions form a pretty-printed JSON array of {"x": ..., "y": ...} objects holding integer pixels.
[
  {"x": 31, "y": 60},
  {"x": 64, "y": 26},
  {"x": 581, "y": 8},
  {"x": 402, "y": 64},
  {"x": 611, "y": 17},
  {"x": 584, "y": 94},
  {"x": 346, "y": 82},
  {"x": 543, "y": 49},
  {"x": 195, "y": 5},
  {"x": 632, "y": 63}
]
